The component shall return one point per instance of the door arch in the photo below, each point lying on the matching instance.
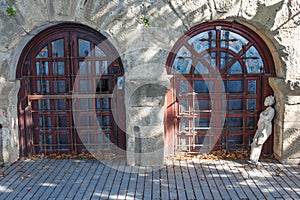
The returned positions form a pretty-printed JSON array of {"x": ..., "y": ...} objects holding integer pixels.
[
  {"x": 219, "y": 81},
  {"x": 60, "y": 62}
]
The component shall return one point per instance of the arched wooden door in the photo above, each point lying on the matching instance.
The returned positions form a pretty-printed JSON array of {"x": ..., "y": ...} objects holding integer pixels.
[
  {"x": 68, "y": 75},
  {"x": 219, "y": 82}
]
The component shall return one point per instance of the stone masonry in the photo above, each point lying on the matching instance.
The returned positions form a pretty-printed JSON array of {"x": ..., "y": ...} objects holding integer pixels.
[{"x": 144, "y": 32}]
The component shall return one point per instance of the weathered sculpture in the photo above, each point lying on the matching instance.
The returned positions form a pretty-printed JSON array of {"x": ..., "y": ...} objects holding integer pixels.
[{"x": 264, "y": 129}]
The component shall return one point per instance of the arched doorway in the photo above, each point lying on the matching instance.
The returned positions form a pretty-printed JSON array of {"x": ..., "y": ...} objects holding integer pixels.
[
  {"x": 219, "y": 81},
  {"x": 60, "y": 62}
]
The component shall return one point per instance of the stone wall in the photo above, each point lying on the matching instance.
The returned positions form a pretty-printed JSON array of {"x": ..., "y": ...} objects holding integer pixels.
[{"x": 144, "y": 32}]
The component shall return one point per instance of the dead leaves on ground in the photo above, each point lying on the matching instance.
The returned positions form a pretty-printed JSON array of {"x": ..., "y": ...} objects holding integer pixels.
[{"x": 221, "y": 154}]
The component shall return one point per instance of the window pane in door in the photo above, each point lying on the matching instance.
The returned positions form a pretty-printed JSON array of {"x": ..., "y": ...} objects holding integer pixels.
[
  {"x": 84, "y": 48},
  {"x": 58, "y": 68},
  {"x": 58, "y": 48},
  {"x": 235, "y": 124},
  {"x": 43, "y": 53},
  {"x": 235, "y": 105},
  {"x": 42, "y": 68},
  {"x": 235, "y": 86},
  {"x": 251, "y": 86},
  {"x": 201, "y": 86}
]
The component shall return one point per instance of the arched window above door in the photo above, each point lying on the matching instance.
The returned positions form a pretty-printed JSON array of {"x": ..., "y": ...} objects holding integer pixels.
[
  {"x": 220, "y": 72},
  {"x": 60, "y": 62}
]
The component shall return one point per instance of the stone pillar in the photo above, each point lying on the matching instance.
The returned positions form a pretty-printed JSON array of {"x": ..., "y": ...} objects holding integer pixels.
[
  {"x": 145, "y": 124},
  {"x": 286, "y": 123}
]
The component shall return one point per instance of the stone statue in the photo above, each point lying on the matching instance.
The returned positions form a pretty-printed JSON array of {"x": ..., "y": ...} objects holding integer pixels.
[{"x": 264, "y": 130}]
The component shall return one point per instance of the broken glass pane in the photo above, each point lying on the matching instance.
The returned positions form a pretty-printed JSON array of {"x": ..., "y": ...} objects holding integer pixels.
[{"x": 253, "y": 61}]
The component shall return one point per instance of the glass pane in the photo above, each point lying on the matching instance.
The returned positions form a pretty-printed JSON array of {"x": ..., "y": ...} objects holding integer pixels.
[
  {"x": 86, "y": 104},
  {"x": 43, "y": 86},
  {"x": 205, "y": 140},
  {"x": 46, "y": 140},
  {"x": 85, "y": 85},
  {"x": 85, "y": 68},
  {"x": 43, "y": 53},
  {"x": 62, "y": 122},
  {"x": 251, "y": 104},
  {"x": 102, "y": 104},
  {"x": 232, "y": 41},
  {"x": 251, "y": 123},
  {"x": 58, "y": 68},
  {"x": 42, "y": 68},
  {"x": 203, "y": 41},
  {"x": 211, "y": 59},
  {"x": 184, "y": 125},
  {"x": 235, "y": 124},
  {"x": 101, "y": 67},
  {"x": 251, "y": 86},
  {"x": 63, "y": 141},
  {"x": 201, "y": 86},
  {"x": 44, "y": 104},
  {"x": 84, "y": 48},
  {"x": 103, "y": 122},
  {"x": 236, "y": 68},
  {"x": 183, "y": 62},
  {"x": 235, "y": 105},
  {"x": 202, "y": 105},
  {"x": 225, "y": 59},
  {"x": 234, "y": 86},
  {"x": 254, "y": 62},
  {"x": 60, "y": 86},
  {"x": 60, "y": 104},
  {"x": 183, "y": 105},
  {"x": 99, "y": 52},
  {"x": 235, "y": 142},
  {"x": 201, "y": 124},
  {"x": 201, "y": 69},
  {"x": 58, "y": 48},
  {"x": 86, "y": 121},
  {"x": 102, "y": 86},
  {"x": 45, "y": 123},
  {"x": 183, "y": 86}
]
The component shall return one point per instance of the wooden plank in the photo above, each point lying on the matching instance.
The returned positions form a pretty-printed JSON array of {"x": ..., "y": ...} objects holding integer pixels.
[
  {"x": 156, "y": 187},
  {"x": 58, "y": 166},
  {"x": 235, "y": 178},
  {"x": 194, "y": 181},
  {"x": 179, "y": 180},
  {"x": 117, "y": 182},
  {"x": 165, "y": 187},
  {"x": 132, "y": 183},
  {"x": 64, "y": 190},
  {"x": 211, "y": 183},
  {"x": 94, "y": 179},
  {"x": 171, "y": 179},
  {"x": 33, "y": 176},
  {"x": 9, "y": 175},
  {"x": 226, "y": 187},
  {"x": 287, "y": 185},
  {"x": 293, "y": 182},
  {"x": 274, "y": 180},
  {"x": 203, "y": 181},
  {"x": 124, "y": 183},
  {"x": 261, "y": 182},
  {"x": 40, "y": 181},
  {"x": 92, "y": 166},
  {"x": 188, "y": 188},
  {"x": 148, "y": 184},
  {"x": 18, "y": 183},
  {"x": 109, "y": 181},
  {"x": 101, "y": 181},
  {"x": 139, "y": 192}
]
